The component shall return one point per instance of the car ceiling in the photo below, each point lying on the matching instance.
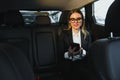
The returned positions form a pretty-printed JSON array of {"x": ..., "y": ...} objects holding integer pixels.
[{"x": 42, "y": 4}]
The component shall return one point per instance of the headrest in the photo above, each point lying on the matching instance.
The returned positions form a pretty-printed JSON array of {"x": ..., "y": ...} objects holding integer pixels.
[
  {"x": 42, "y": 20},
  {"x": 64, "y": 18},
  {"x": 112, "y": 21},
  {"x": 13, "y": 18}
]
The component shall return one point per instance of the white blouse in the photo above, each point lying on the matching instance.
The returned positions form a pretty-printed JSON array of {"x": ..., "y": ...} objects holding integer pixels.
[{"x": 76, "y": 39}]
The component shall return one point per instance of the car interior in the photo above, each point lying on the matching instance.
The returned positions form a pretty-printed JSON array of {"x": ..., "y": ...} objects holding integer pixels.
[{"x": 29, "y": 42}]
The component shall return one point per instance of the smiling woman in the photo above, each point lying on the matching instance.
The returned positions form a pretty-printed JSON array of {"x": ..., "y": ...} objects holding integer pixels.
[{"x": 75, "y": 42}]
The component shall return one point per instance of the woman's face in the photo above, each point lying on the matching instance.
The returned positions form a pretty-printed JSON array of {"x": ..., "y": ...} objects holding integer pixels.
[{"x": 75, "y": 20}]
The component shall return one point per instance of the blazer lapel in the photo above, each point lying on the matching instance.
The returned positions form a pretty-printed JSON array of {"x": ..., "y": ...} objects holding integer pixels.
[
  {"x": 83, "y": 41},
  {"x": 70, "y": 39},
  {"x": 70, "y": 36}
]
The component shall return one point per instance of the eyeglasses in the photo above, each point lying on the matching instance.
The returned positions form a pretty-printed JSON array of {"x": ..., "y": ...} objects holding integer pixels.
[{"x": 73, "y": 19}]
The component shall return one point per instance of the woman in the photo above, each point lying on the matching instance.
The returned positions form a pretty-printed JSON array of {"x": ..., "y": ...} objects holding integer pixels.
[{"x": 75, "y": 58}]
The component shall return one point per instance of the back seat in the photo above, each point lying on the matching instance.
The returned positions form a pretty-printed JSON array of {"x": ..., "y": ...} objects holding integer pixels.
[
  {"x": 39, "y": 43},
  {"x": 12, "y": 31},
  {"x": 45, "y": 48}
]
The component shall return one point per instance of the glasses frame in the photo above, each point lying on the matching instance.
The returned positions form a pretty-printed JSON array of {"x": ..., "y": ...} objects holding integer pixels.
[{"x": 77, "y": 20}]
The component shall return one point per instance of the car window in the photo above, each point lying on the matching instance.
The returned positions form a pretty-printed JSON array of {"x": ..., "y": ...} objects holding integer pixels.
[
  {"x": 100, "y": 10},
  {"x": 29, "y": 16}
]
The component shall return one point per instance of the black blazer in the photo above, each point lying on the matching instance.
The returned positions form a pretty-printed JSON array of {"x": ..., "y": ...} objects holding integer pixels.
[{"x": 66, "y": 40}]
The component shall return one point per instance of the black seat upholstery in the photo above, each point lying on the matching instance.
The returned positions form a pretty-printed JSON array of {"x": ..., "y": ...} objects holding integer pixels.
[
  {"x": 105, "y": 55},
  {"x": 63, "y": 18},
  {"x": 7, "y": 70},
  {"x": 14, "y": 64},
  {"x": 19, "y": 37},
  {"x": 13, "y": 18},
  {"x": 42, "y": 20},
  {"x": 1, "y": 18},
  {"x": 45, "y": 48},
  {"x": 63, "y": 21},
  {"x": 112, "y": 22}
]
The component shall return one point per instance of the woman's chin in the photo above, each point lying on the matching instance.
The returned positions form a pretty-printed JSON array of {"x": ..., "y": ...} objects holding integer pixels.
[{"x": 77, "y": 28}]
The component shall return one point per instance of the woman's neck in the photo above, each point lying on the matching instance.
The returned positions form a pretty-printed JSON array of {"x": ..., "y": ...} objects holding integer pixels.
[{"x": 75, "y": 30}]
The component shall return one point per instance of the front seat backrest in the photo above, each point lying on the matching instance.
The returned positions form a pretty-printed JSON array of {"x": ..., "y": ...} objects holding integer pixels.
[
  {"x": 16, "y": 62},
  {"x": 105, "y": 55}
]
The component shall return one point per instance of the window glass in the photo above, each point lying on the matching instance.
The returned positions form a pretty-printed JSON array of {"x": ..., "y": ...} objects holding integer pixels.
[
  {"x": 83, "y": 11},
  {"x": 100, "y": 10},
  {"x": 29, "y": 16},
  {"x": 54, "y": 16}
]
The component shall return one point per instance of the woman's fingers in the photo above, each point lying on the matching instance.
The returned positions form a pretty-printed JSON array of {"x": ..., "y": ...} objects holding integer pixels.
[{"x": 71, "y": 49}]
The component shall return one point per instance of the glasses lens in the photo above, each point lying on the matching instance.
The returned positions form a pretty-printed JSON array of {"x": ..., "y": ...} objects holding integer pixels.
[{"x": 77, "y": 19}]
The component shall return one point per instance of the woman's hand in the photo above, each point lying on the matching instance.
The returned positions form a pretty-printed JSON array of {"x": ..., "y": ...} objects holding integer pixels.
[
  {"x": 78, "y": 52},
  {"x": 71, "y": 51}
]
